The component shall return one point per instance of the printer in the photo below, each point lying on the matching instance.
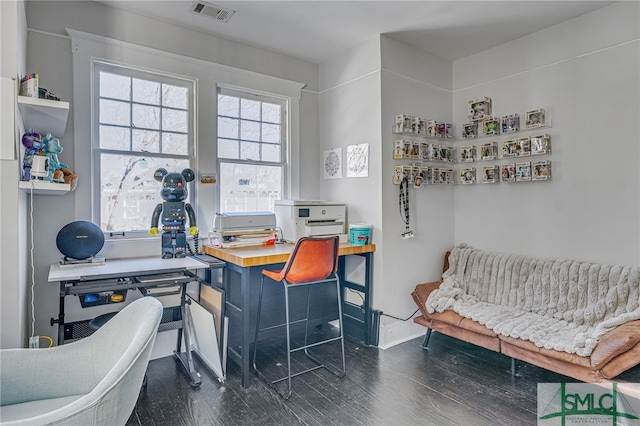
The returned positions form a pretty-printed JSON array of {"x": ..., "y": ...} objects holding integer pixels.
[
  {"x": 238, "y": 229},
  {"x": 299, "y": 218},
  {"x": 243, "y": 221}
]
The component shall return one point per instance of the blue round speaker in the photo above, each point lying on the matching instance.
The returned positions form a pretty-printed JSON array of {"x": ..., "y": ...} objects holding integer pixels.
[{"x": 80, "y": 240}]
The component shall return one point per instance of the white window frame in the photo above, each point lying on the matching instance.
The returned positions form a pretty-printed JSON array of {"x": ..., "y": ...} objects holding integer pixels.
[
  {"x": 284, "y": 137},
  {"x": 102, "y": 65},
  {"x": 86, "y": 47}
]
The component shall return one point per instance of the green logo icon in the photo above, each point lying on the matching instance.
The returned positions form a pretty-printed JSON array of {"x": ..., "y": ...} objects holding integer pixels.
[{"x": 588, "y": 400}]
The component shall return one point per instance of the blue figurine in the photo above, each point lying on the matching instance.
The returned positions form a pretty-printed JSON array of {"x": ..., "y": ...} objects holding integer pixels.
[
  {"x": 174, "y": 212},
  {"x": 51, "y": 148}
]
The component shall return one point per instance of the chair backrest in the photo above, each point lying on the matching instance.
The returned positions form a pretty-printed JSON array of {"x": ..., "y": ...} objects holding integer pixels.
[
  {"x": 126, "y": 361},
  {"x": 312, "y": 259},
  {"x": 93, "y": 381}
]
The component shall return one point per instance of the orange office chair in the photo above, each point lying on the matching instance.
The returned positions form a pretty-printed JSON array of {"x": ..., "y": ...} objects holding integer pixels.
[{"x": 313, "y": 261}]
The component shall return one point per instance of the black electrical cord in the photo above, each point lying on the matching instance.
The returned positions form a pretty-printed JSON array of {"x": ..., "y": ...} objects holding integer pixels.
[
  {"x": 401, "y": 319},
  {"x": 382, "y": 313},
  {"x": 196, "y": 245}
]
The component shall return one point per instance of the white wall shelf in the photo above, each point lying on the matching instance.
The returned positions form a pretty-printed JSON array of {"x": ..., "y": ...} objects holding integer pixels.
[
  {"x": 44, "y": 115},
  {"x": 45, "y": 188}
]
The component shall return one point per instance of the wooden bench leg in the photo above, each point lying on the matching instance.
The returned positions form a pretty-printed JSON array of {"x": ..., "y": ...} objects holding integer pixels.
[{"x": 426, "y": 339}]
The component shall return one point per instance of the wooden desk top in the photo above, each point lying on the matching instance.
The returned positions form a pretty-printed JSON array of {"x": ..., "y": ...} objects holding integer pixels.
[{"x": 268, "y": 255}]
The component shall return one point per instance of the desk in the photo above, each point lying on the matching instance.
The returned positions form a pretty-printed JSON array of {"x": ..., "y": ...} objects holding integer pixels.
[
  {"x": 248, "y": 263},
  {"x": 137, "y": 273}
]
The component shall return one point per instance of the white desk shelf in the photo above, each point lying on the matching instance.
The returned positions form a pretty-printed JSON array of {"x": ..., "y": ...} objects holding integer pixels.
[{"x": 44, "y": 115}]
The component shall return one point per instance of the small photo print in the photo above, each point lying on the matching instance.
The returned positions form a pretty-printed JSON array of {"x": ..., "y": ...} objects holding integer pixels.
[
  {"x": 490, "y": 174},
  {"x": 535, "y": 118},
  {"x": 398, "y": 149},
  {"x": 425, "y": 175},
  {"x": 434, "y": 152},
  {"x": 509, "y": 148},
  {"x": 508, "y": 173},
  {"x": 541, "y": 170},
  {"x": 510, "y": 123},
  {"x": 432, "y": 128},
  {"x": 398, "y": 175},
  {"x": 419, "y": 126},
  {"x": 524, "y": 146},
  {"x": 467, "y": 154},
  {"x": 467, "y": 175},
  {"x": 407, "y": 173},
  {"x": 425, "y": 151},
  {"x": 445, "y": 130},
  {"x": 403, "y": 124},
  {"x": 523, "y": 172},
  {"x": 489, "y": 151},
  {"x": 490, "y": 127},
  {"x": 479, "y": 108},
  {"x": 419, "y": 177},
  {"x": 540, "y": 145},
  {"x": 415, "y": 150},
  {"x": 446, "y": 153},
  {"x": 448, "y": 175},
  {"x": 470, "y": 130}
]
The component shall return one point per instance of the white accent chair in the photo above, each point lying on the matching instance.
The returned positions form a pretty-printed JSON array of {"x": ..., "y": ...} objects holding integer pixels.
[{"x": 93, "y": 381}]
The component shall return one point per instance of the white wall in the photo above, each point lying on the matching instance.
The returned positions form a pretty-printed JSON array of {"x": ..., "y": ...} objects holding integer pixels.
[
  {"x": 349, "y": 114},
  {"x": 416, "y": 83},
  {"x": 50, "y": 53},
  {"x": 585, "y": 74},
  {"x": 361, "y": 91},
  {"x": 351, "y": 99}
]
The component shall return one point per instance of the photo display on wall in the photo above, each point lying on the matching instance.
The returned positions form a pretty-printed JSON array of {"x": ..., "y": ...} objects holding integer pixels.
[{"x": 507, "y": 142}]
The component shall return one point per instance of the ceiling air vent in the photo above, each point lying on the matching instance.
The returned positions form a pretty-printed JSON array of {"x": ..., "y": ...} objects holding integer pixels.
[{"x": 216, "y": 12}]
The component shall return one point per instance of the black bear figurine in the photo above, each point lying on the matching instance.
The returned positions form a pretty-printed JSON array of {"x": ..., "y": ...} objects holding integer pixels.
[{"x": 174, "y": 212}]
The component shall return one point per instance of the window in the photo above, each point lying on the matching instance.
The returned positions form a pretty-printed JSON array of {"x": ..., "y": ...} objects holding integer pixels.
[
  {"x": 251, "y": 150},
  {"x": 143, "y": 121}
]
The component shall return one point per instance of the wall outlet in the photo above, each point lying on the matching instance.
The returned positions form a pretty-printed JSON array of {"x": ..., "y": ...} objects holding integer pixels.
[{"x": 34, "y": 342}]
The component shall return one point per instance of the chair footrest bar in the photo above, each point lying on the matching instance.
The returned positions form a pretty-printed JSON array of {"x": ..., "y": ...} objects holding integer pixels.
[
  {"x": 333, "y": 339},
  {"x": 299, "y": 373}
]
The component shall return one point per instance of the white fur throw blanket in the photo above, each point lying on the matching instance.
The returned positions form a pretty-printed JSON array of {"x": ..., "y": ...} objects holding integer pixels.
[{"x": 556, "y": 304}]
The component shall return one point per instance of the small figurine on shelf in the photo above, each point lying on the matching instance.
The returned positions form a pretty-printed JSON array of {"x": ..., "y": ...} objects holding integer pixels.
[
  {"x": 490, "y": 126},
  {"x": 32, "y": 142},
  {"x": 174, "y": 212},
  {"x": 51, "y": 149},
  {"x": 479, "y": 109},
  {"x": 510, "y": 123},
  {"x": 470, "y": 130},
  {"x": 535, "y": 118}
]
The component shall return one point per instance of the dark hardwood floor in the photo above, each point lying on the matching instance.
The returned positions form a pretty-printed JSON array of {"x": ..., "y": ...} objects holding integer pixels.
[{"x": 451, "y": 383}]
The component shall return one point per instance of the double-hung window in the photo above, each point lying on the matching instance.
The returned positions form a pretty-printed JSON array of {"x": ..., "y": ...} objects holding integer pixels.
[
  {"x": 252, "y": 145},
  {"x": 142, "y": 121}
]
